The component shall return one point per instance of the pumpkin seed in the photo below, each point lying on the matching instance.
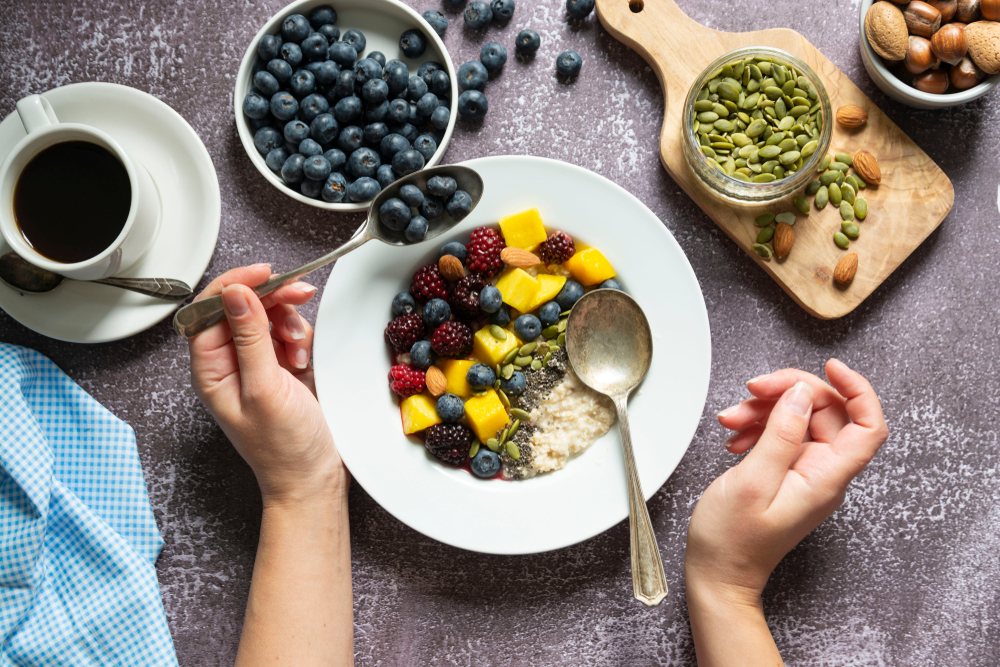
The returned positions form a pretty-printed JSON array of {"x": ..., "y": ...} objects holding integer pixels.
[
  {"x": 846, "y": 211},
  {"x": 510, "y": 357},
  {"x": 841, "y": 240},
  {"x": 740, "y": 176},
  {"x": 862, "y": 183},
  {"x": 813, "y": 188},
  {"x": 507, "y": 371},
  {"x": 548, "y": 332},
  {"x": 527, "y": 349},
  {"x": 822, "y": 197},
  {"x": 479, "y": 392},
  {"x": 801, "y": 203},
  {"x": 850, "y": 229},
  {"x": 836, "y": 197},
  {"x": 497, "y": 332},
  {"x": 787, "y": 217},
  {"x": 522, "y": 361},
  {"x": 860, "y": 208},
  {"x": 762, "y": 250},
  {"x": 839, "y": 166},
  {"x": 763, "y": 178},
  {"x": 561, "y": 325},
  {"x": 824, "y": 164},
  {"x": 474, "y": 449},
  {"x": 536, "y": 364},
  {"x": 546, "y": 359},
  {"x": 850, "y": 178},
  {"x": 518, "y": 413},
  {"x": 554, "y": 347},
  {"x": 562, "y": 339},
  {"x": 503, "y": 398},
  {"x": 493, "y": 444},
  {"x": 513, "y": 428},
  {"x": 764, "y": 219},
  {"x": 844, "y": 158},
  {"x": 504, "y": 435},
  {"x": 703, "y": 105},
  {"x": 828, "y": 177},
  {"x": 513, "y": 451},
  {"x": 766, "y": 234},
  {"x": 847, "y": 192}
]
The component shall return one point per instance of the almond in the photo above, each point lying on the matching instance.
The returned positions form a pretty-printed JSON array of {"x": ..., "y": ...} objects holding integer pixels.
[
  {"x": 851, "y": 116},
  {"x": 784, "y": 239},
  {"x": 451, "y": 267},
  {"x": 519, "y": 258},
  {"x": 867, "y": 167},
  {"x": 843, "y": 273},
  {"x": 437, "y": 383}
]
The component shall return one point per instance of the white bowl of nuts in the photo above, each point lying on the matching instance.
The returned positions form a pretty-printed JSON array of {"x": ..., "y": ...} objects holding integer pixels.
[{"x": 932, "y": 55}]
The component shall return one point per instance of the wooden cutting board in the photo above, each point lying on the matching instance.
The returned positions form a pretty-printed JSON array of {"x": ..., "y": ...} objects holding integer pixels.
[{"x": 913, "y": 199}]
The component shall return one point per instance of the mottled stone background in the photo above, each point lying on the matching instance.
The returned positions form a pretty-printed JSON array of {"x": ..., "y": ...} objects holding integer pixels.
[{"x": 906, "y": 573}]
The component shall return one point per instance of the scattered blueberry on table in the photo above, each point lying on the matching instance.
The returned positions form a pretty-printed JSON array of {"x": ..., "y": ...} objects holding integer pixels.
[
  {"x": 437, "y": 20},
  {"x": 568, "y": 64},
  {"x": 579, "y": 9},
  {"x": 478, "y": 15},
  {"x": 527, "y": 42}
]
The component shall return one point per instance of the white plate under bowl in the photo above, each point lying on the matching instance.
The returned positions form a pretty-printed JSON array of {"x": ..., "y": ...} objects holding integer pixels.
[
  {"x": 552, "y": 510},
  {"x": 190, "y": 211},
  {"x": 382, "y": 22}
]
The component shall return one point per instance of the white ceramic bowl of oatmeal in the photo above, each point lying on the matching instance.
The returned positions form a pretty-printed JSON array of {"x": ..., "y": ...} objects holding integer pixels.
[{"x": 588, "y": 495}]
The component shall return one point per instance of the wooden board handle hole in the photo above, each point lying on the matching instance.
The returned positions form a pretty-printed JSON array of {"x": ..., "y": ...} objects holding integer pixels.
[{"x": 635, "y": 6}]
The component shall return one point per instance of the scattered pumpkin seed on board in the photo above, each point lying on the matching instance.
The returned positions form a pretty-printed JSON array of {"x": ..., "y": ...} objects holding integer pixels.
[
  {"x": 786, "y": 217},
  {"x": 850, "y": 229},
  {"x": 822, "y": 197},
  {"x": 764, "y": 219},
  {"x": 841, "y": 240},
  {"x": 846, "y": 211},
  {"x": 763, "y": 251},
  {"x": 835, "y": 195},
  {"x": 801, "y": 203},
  {"x": 860, "y": 208},
  {"x": 766, "y": 235}
]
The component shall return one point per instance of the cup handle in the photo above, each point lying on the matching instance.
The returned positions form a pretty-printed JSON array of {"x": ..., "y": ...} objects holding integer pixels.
[{"x": 36, "y": 113}]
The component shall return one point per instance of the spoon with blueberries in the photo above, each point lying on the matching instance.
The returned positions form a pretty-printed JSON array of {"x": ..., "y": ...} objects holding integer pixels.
[{"x": 417, "y": 207}]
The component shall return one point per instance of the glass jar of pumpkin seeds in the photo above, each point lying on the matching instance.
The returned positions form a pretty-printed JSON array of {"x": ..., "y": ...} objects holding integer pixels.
[{"x": 755, "y": 124}]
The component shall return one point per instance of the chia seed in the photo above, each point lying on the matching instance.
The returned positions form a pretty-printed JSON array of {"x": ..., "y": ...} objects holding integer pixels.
[
  {"x": 540, "y": 383},
  {"x": 516, "y": 468}
]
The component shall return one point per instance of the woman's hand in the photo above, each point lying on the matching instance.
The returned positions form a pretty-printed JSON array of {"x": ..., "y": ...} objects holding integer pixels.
[{"x": 252, "y": 372}]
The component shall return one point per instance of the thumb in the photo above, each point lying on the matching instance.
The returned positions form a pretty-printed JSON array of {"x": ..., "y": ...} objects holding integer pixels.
[
  {"x": 252, "y": 338},
  {"x": 781, "y": 441}
]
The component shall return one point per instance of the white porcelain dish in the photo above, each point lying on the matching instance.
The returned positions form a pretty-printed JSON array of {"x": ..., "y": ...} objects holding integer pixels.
[
  {"x": 901, "y": 91},
  {"x": 382, "y": 22},
  {"x": 159, "y": 139},
  {"x": 552, "y": 510}
]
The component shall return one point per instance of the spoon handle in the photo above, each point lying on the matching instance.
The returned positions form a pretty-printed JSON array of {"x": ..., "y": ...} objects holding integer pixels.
[
  {"x": 161, "y": 288},
  {"x": 649, "y": 583},
  {"x": 197, "y": 316}
]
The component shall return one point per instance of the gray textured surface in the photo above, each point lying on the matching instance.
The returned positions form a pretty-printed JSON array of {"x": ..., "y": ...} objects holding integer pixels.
[{"x": 904, "y": 574}]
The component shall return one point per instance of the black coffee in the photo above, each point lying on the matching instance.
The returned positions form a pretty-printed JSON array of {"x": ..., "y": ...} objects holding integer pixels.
[{"x": 71, "y": 201}]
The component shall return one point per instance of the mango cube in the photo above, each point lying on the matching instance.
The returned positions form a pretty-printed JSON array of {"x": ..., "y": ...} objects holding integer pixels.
[
  {"x": 486, "y": 415},
  {"x": 418, "y": 413},
  {"x": 489, "y": 350},
  {"x": 518, "y": 289},
  {"x": 523, "y": 230},
  {"x": 549, "y": 286},
  {"x": 455, "y": 371},
  {"x": 589, "y": 267}
]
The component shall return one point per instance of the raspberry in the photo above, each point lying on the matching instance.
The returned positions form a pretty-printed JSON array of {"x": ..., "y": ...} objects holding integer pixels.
[
  {"x": 427, "y": 284},
  {"x": 557, "y": 249},
  {"x": 484, "y": 248},
  {"x": 449, "y": 442},
  {"x": 452, "y": 339},
  {"x": 464, "y": 297},
  {"x": 406, "y": 380},
  {"x": 404, "y": 331}
]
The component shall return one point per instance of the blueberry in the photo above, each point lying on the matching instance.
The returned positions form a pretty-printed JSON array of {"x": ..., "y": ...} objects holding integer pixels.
[
  {"x": 295, "y": 131},
  {"x": 478, "y": 15},
  {"x": 426, "y": 146},
  {"x": 416, "y": 230},
  {"x": 266, "y": 139},
  {"x": 528, "y": 327},
  {"x": 257, "y": 123},
  {"x": 269, "y": 47},
  {"x": 392, "y": 144},
  {"x": 276, "y": 158},
  {"x": 416, "y": 88},
  {"x": 355, "y": 38},
  {"x": 455, "y": 4},
  {"x": 459, "y": 205},
  {"x": 503, "y": 10},
  {"x": 266, "y": 84},
  {"x": 348, "y": 110},
  {"x": 442, "y": 186},
  {"x": 568, "y": 63},
  {"x": 427, "y": 104},
  {"x": 284, "y": 106},
  {"x": 280, "y": 70},
  {"x": 501, "y": 318},
  {"x": 490, "y": 299},
  {"x": 310, "y": 147},
  {"x": 376, "y": 113},
  {"x": 330, "y": 31},
  {"x": 407, "y": 131},
  {"x": 378, "y": 57},
  {"x": 403, "y": 304},
  {"x": 295, "y": 28},
  {"x": 415, "y": 117},
  {"x": 385, "y": 176},
  {"x": 399, "y": 111},
  {"x": 312, "y": 106},
  {"x": 455, "y": 249},
  {"x": 485, "y": 463},
  {"x": 450, "y": 408},
  {"x": 396, "y": 75},
  {"x": 472, "y": 105},
  {"x": 363, "y": 189},
  {"x": 432, "y": 208},
  {"x": 436, "y": 311},
  {"x": 515, "y": 385},
  {"x": 326, "y": 73},
  {"x": 441, "y": 117},
  {"x": 527, "y": 42},
  {"x": 290, "y": 148},
  {"x": 303, "y": 83},
  {"x": 579, "y": 9},
  {"x": 291, "y": 171},
  {"x": 363, "y": 162},
  {"x": 421, "y": 354},
  {"x": 412, "y": 43},
  {"x": 324, "y": 128},
  {"x": 375, "y": 91},
  {"x": 569, "y": 294},
  {"x": 343, "y": 87},
  {"x": 611, "y": 283},
  {"x": 322, "y": 15},
  {"x": 365, "y": 70},
  {"x": 350, "y": 139},
  {"x": 548, "y": 314},
  {"x": 336, "y": 158},
  {"x": 314, "y": 47},
  {"x": 311, "y": 189},
  {"x": 342, "y": 53},
  {"x": 412, "y": 195},
  {"x": 395, "y": 214},
  {"x": 493, "y": 56},
  {"x": 480, "y": 375},
  {"x": 255, "y": 106},
  {"x": 375, "y": 132},
  {"x": 334, "y": 188},
  {"x": 407, "y": 162},
  {"x": 437, "y": 20},
  {"x": 291, "y": 53},
  {"x": 316, "y": 168}
]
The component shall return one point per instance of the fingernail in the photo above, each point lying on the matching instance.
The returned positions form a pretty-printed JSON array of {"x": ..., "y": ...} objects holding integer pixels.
[
  {"x": 300, "y": 359},
  {"x": 729, "y": 443},
  {"x": 304, "y": 287},
  {"x": 800, "y": 398},
  {"x": 759, "y": 377},
  {"x": 254, "y": 266},
  {"x": 235, "y": 301},
  {"x": 728, "y": 411},
  {"x": 295, "y": 329}
]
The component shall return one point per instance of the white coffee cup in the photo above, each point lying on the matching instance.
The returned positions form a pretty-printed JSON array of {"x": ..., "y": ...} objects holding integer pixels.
[{"x": 141, "y": 226}]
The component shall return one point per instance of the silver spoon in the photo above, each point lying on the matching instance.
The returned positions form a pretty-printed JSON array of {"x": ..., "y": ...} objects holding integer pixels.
[
  {"x": 24, "y": 276},
  {"x": 195, "y": 317},
  {"x": 610, "y": 347}
]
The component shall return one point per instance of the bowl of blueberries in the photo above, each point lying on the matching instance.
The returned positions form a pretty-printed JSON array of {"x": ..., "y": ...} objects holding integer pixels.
[{"x": 334, "y": 102}]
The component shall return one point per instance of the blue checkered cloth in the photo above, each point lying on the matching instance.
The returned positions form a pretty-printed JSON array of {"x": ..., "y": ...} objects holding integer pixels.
[{"x": 77, "y": 535}]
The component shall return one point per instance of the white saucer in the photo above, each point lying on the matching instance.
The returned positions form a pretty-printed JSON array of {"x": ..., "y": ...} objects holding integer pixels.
[{"x": 191, "y": 209}]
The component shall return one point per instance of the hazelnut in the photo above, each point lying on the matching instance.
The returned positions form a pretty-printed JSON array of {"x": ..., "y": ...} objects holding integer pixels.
[
  {"x": 968, "y": 11},
  {"x": 965, "y": 74},
  {"x": 885, "y": 28},
  {"x": 949, "y": 43},
  {"x": 984, "y": 45},
  {"x": 933, "y": 81},
  {"x": 946, "y": 7},
  {"x": 990, "y": 9},
  {"x": 922, "y": 19},
  {"x": 920, "y": 57}
]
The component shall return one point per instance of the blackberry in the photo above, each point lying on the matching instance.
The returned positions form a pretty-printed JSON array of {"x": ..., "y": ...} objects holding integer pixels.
[
  {"x": 464, "y": 297},
  {"x": 449, "y": 442},
  {"x": 407, "y": 380},
  {"x": 484, "y": 248},
  {"x": 452, "y": 339},
  {"x": 427, "y": 284},
  {"x": 404, "y": 331},
  {"x": 557, "y": 248}
]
